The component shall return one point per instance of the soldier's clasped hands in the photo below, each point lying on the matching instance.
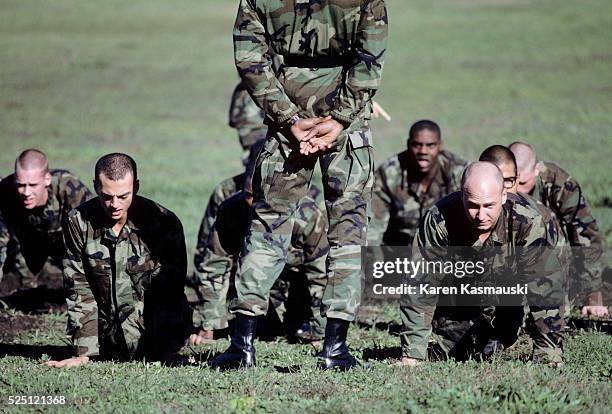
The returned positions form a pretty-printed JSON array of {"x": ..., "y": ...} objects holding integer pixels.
[{"x": 316, "y": 134}]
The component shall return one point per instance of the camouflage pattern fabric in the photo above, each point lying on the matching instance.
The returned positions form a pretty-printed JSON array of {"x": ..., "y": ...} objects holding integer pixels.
[
  {"x": 246, "y": 117},
  {"x": 560, "y": 192},
  {"x": 332, "y": 55},
  {"x": 332, "y": 65},
  {"x": 220, "y": 193},
  {"x": 520, "y": 225},
  {"x": 398, "y": 203},
  {"x": 125, "y": 292},
  {"x": 216, "y": 267},
  {"x": 37, "y": 234}
]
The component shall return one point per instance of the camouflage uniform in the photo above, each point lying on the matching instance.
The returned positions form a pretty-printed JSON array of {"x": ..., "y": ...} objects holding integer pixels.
[
  {"x": 398, "y": 203},
  {"x": 221, "y": 192},
  {"x": 332, "y": 64},
  {"x": 246, "y": 117},
  {"x": 125, "y": 292},
  {"x": 519, "y": 225},
  {"x": 36, "y": 235},
  {"x": 560, "y": 192},
  {"x": 215, "y": 261}
]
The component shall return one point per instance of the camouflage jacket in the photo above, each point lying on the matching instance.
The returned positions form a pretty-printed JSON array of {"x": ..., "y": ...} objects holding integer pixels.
[
  {"x": 39, "y": 231},
  {"x": 332, "y": 56},
  {"x": 221, "y": 192},
  {"x": 519, "y": 225},
  {"x": 560, "y": 192},
  {"x": 397, "y": 202},
  {"x": 246, "y": 117},
  {"x": 215, "y": 266},
  {"x": 123, "y": 289}
]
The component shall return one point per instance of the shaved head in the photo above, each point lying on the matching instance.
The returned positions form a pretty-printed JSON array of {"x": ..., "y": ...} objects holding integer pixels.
[
  {"x": 483, "y": 196},
  {"x": 525, "y": 155},
  {"x": 32, "y": 178},
  {"x": 481, "y": 174},
  {"x": 527, "y": 163},
  {"x": 32, "y": 159}
]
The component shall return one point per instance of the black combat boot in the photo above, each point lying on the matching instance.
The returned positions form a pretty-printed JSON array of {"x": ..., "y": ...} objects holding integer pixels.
[
  {"x": 241, "y": 352},
  {"x": 335, "y": 353}
]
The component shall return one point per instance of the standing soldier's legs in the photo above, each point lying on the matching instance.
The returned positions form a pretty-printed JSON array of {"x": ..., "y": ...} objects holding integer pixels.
[
  {"x": 280, "y": 180},
  {"x": 316, "y": 289},
  {"x": 347, "y": 185}
]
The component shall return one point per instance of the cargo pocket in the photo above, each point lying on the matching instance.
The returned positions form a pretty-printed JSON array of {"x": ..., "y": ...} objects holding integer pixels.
[{"x": 263, "y": 172}]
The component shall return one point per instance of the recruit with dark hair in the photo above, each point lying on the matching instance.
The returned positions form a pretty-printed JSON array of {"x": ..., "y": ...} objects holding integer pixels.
[
  {"x": 498, "y": 155},
  {"x": 115, "y": 166},
  {"x": 424, "y": 124}
]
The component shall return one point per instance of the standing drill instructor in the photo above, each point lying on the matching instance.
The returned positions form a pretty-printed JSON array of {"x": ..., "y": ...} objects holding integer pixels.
[{"x": 317, "y": 107}]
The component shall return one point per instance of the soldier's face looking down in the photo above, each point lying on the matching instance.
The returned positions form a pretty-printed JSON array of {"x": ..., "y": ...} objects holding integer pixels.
[
  {"x": 527, "y": 178},
  {"x": 32, "y": 186},
  {"x": 424, "y": 149},
  {"x": 483, "y": 201},
  {"x": 116, "y": 196},
  {"x": 528, "y": 167}
]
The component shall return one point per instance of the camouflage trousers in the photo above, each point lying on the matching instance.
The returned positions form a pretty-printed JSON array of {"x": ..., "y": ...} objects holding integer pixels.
[
  {"x": 465, "y": 332},
  {"x": 292, "y": 292},
  {"x": 281, "y": 177}
]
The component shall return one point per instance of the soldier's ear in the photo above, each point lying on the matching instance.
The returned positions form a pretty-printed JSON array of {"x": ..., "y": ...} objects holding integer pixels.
[
  {"x": 536, "y": 170},
  {"x": 504, "y": 196},
  {"x": 136, "y": 187},
  {"x": 47, "y": 179}
]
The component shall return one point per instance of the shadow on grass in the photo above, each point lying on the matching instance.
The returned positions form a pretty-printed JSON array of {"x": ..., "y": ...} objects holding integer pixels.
[
  {"x": 382, "y": 353},
  {"x": 56, "y": 352},
  {"x": 391, "y": 327},
  {"x": 36, "y": 300},
  {"x": 288, "y": 370}
]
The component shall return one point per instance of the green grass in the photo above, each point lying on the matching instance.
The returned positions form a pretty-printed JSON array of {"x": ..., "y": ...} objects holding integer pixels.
[
  {"x": 287, "y": 380},
  {"x": 79, "y": 79}
]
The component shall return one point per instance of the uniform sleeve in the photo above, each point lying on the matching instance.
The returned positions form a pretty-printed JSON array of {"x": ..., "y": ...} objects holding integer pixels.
[
  {"x": 540, "y": 264},
  {"x": 582, "y": 231},
  {"x": 170, "y": 321},
  {"x": 381, "y": 209},
  {"x": 75, "y": 191},
  {"x": 363, "y": 77},
  {"x": 206, "y": 226},
  {"x": 168, "y": 284},
  {"x": 213, "y": 282},
  {"x": 417, "y": 310},
  {"x": 254, "y": 64},
  {"x": 82, "y": 306}
]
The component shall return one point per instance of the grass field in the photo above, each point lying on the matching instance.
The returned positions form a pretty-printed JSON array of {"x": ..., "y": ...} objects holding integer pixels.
[{"x": 79, "y": 79}]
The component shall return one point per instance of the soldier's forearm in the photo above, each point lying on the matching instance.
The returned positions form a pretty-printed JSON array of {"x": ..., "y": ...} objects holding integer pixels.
[
  {"x": 251, "y": 54},
  {"x": 364, "y": 77}
]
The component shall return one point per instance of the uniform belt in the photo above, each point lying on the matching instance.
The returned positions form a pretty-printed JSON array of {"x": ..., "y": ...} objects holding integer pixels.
[{"x": 316, "y": 61}]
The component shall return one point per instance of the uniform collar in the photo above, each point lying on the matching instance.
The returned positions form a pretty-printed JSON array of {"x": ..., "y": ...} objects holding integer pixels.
[{"x": 102, "y": 224}]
